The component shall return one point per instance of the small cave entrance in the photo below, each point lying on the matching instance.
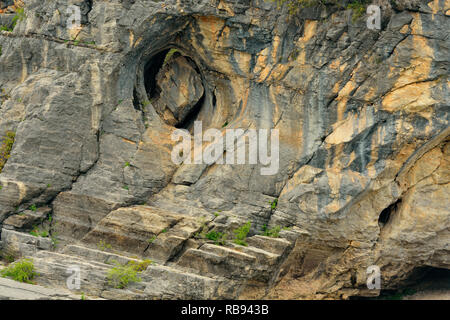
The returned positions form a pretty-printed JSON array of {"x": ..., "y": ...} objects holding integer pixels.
[
  {"x": 175, "y": 87},
  {"x": 423, "y": 282},
  {"x": 386, "y": 214},
  {"x": 428, "y": 283}
]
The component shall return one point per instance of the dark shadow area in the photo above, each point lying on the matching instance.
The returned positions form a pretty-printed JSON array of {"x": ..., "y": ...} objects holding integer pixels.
[
  {"x": 151, "y": 69},
  {"x": 385, "y": 215}
]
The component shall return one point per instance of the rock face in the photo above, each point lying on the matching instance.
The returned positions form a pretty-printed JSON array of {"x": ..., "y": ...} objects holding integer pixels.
[
  {"x": 180, "y": 89},
  {"x": 363, "y": 120}
]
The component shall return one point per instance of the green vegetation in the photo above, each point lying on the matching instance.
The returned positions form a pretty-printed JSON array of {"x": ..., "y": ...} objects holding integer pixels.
[
  {"x": 358, "y": 6},
  {"x": 6, "y": 147},
  {"x": 359, "y": 9},
  {"x": 169, "y": 55},
  {"x": 241, "y": 234},
  {"x": 20, "y": 15},
  {"x": 203, "y": 229},
  {"x": 33, "y": 207},
  {"x": 150, "y": 241},
  {"x": 122, "y": 275},
  {"x": 103, "y": 246},
  {"x": 127, "y": 164},
  {"x": 140, "y": 266},
  {"x": 22, "y": 270},
  {"x": 39, "y": 233},
  {"x": 219, "y": 238},
  {"x": 273, "y": 204},
  {"x": 273, "y": 232}
]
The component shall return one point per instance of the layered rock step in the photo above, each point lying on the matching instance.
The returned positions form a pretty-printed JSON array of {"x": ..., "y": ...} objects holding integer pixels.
[
  {"x": 237, "y": 262},
  {"x": 184, "y": 266},
  {"x": 157, "y": 281},
  {"x": 13, "y": 290}
]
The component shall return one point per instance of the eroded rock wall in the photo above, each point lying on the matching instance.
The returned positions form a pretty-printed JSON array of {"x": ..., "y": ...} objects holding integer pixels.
[{"x": 362, "y": 117}]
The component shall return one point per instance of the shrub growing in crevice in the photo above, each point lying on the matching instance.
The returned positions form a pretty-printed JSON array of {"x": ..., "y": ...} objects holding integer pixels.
[
  {"x": 358, "y": 6},
  {"x": 121, "y": 276},
  {"x": 241, "y": 234},
  {"x": 6, "y": 147},
  {"x": 22, "y": 271}
]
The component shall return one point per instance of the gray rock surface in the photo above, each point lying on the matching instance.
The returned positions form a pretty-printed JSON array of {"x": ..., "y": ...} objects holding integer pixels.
[
  {"x": 364, "y": 144},
  {"x": 13, "y": 290}
]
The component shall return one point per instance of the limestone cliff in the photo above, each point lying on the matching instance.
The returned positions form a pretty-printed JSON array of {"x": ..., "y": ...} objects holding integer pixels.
[{"x": 363, "y": 120}]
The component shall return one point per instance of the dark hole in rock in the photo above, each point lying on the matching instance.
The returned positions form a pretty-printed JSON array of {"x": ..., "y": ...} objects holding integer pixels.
[
  {"x": 192, "y": 115},
  {"x": 385, "y": 215},
  {"x": 424, "y": 283},
  {"x": 136, "y": 104},
  {"x": 214, "y": 99},
  {"x": 175, "y": 87},
  {"x": 150, "y": 71}
]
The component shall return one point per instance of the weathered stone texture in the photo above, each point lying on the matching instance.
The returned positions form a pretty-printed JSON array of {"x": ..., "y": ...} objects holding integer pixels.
[{"x": 363, "y": 117}]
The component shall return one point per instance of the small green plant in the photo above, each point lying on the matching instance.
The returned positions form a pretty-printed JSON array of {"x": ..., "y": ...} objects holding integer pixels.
[
  {"x": 273, "y": 204},
  {"x": 20, "y": 15},
  {"x": 54, "y": 238},
  {"x": 151, "y": 240},
  {"x": 241, "y": 234},
  {"x": 358, "y": 8},
  {"x": 33, "y": 207},
  {"x": 219, "y": 238},
  {"x": 121, "y": 276},
  {"x": 273, "y": 232},
  {"x": 44, "y": 234},
  {"x": 126, "y": 187},
  {"x": 140, "y": 266},
  {"x": 295, "y": 5},
  {"x": 127, "y": 164},
  {"x": 103, "y": 246},
  {"x": 83, "y": 297},
  {"x": 22, "y": 270},
  {"x": 203, "y": 229},
  {"x": 169, "y": 55},
  {"x": 37, "y": 232},
  {"x": 6, "y": 148},
  {"x": 5, "y": 28}
]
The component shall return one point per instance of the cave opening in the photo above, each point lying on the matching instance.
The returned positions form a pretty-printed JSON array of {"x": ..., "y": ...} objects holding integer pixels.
[
  {"x": 386, "y": 214},
  {"x": 151, "y": 69},
  {"x": 423, "y": 282},
  {"x": 175, "y": 86}
]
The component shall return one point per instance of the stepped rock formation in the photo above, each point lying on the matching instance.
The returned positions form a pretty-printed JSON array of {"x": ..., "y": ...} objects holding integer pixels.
[{"x": 363, "y": 120}]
